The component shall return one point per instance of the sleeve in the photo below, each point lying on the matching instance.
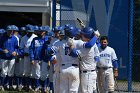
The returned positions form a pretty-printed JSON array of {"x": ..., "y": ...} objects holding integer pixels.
[
  {"x": 113, "y": 55},
  {"x": 90, "y": 43},
  {"x": 74, "y": 53},
  {"x": 21, "y": 47},
  {"x": 81, "y": 53},
  {"x": 55, "y": 49},
  {"x": 114, "y": 59},
  {"x": 16, "y": 45},
  {"x": 21, "y": 52},
  {"x": 42, "y": 52},
  {"x": 81, "y": 44},
  {"x": 31, "y": 49}
]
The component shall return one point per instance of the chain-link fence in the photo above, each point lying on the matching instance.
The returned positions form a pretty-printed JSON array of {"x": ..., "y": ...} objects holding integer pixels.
[
  {"x": 136, "y": 49},
  {"x": 112, "y": 18}
]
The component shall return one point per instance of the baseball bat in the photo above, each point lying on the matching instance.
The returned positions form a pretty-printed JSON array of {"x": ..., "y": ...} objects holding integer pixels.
[{"x": 81, "y": 22}]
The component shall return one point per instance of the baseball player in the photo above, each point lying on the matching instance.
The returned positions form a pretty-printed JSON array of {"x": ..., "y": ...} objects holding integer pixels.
[
  {"x": 87, "y": 52},
  {"x": 35, "y": 55},
  {"x": 22, "y": 31},
  {"x": 51, "y": 40},
  {"x": 69, "y": 80},
  {"x": 45, "y": 62},
  {"x": 1, "y": 33},
  {"x": 8, "y": 52},
  {"x": 18, "y": 64},
  {"x": 107, "y": 67},
  {"x": 56, "y": 42},
  {"x": 24, "y": 45}
]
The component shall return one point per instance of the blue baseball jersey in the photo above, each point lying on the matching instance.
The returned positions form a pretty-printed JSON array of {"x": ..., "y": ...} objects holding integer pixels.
[
  {"x": 9, "y": 43},
  {"x": 47, "y": 53},
  {"x": 106, "y": 57},
  {"x": 36, "y": 48}
]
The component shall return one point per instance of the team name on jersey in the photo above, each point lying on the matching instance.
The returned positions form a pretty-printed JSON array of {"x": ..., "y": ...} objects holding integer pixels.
[
  {"x": 105, "y": 55},
  {"x": 37, "y": 43}
]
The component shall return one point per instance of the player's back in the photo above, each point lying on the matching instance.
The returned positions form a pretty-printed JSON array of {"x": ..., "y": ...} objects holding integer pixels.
[{"x": 87, "y": 58}]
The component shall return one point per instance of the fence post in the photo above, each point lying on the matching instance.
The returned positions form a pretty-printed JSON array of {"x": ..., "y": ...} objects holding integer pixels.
[
  {"x": 131, "y": 10},
  {"x": 54, "y": 14}
]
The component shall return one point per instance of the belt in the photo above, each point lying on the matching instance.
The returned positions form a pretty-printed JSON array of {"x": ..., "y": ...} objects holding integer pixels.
[
  {"x": 104, "y": 68},
  {"x": 71, "y": 64},
  {"x": 85, "y": 71}
]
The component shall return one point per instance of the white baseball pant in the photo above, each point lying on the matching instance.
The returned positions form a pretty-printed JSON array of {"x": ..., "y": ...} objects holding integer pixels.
[
  {"x": 36, "y": 70},
  {"x": 19, "y": 67},
  {"x": 8, "y": 67},
  {"x": 51, "y": 71},
  {"x": 105, "y": 80},
  {"x": 88, "y": 81},
  {"x": 27, "y": 66},
  {"x": 44, "y": 71},
  {"x": 56, "y": 82},
  {"x": 69, "y": 79}
]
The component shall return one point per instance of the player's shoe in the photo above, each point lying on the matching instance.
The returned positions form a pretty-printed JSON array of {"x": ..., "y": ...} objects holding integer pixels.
[
  {"x": 51, "y": 91},
  {"x": 2, "y": 88},
  {"x": 37, "y": 90},
  {"x": 30, "y": 88},
  {"x": 11, "y": 88},
  {"x": 6, "y": 87},
  {"x": 19, "y": 88}
]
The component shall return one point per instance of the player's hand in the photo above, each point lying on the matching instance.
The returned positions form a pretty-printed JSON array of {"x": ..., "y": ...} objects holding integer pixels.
[
  {"x": 54, "y": 61},
  {"x": 115, "y": 73},
  {"x": 32, "y": 62},
  {"x": 70, "y": 42},
  {"x": 14, "y": 53},
  {"x": 39, "y": 62},
  {"x": 97, "y": 33},
  {"x": 49, "y": 64},
  {"x": 5, "y": 51},
  {"x": 82, "y": 25}
]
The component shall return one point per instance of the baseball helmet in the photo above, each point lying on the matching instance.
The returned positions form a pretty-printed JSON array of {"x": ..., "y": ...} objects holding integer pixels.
[
  {"x": 62, "y": 32},
  {"x": 12, "y": 27},
  {"x": 77, "y": 31},
  {"x": 36, "y": 28},
  {"x": 58, "y": 28},
  {"x": 45, "y": 28},
  {"x": 88, "y": 32},
  {"x": 30, "y": 28},
  {"x": 50, "y": 34},
  {"x": 22, "y": 28},
  {"x": 71, "y": 32},
  {"x": 2, "y": 31},
  {"x": 67, "y": 26}
]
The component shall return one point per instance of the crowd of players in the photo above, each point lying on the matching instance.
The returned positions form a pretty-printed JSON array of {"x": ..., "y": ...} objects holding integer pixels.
[{"x": 65, "y": 59}]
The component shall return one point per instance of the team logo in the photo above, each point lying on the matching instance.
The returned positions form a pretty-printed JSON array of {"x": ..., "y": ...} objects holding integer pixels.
[{"x": 37, "y": 43}]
